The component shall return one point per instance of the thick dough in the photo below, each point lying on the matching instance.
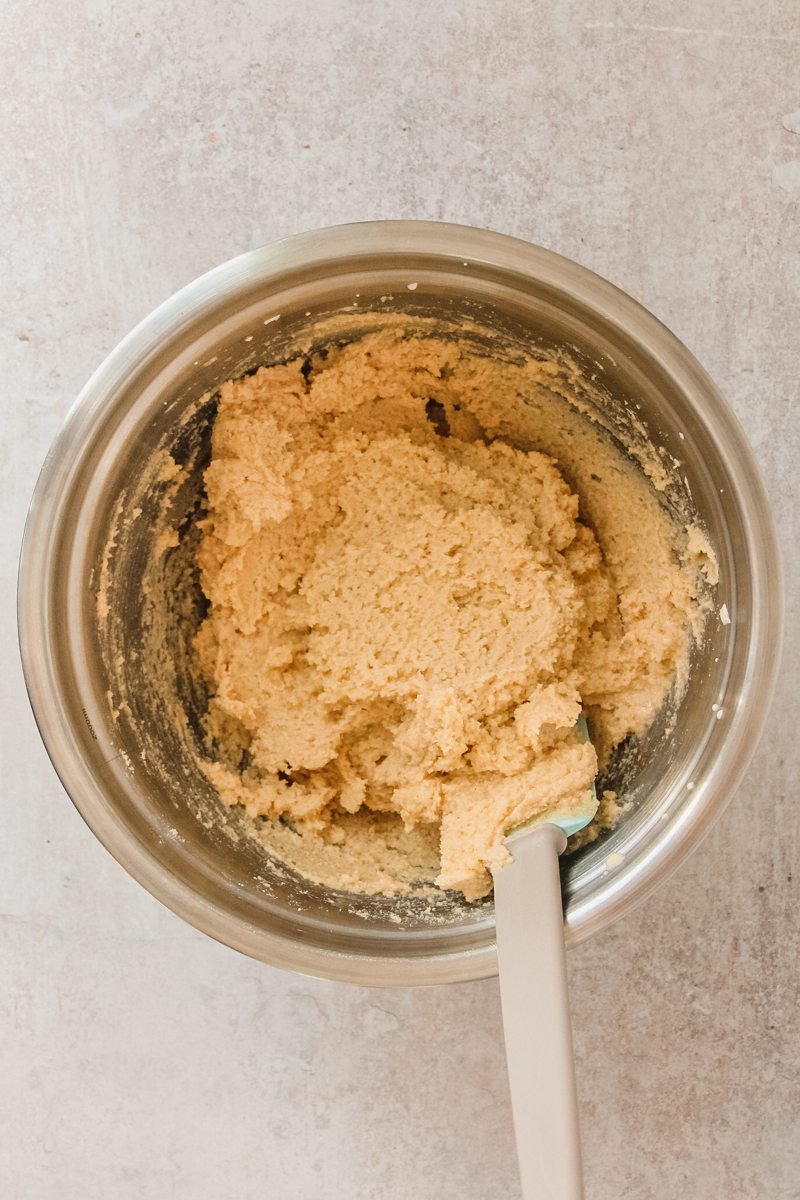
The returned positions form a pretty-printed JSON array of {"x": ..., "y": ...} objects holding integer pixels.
[{"x": 409, "y": 611}]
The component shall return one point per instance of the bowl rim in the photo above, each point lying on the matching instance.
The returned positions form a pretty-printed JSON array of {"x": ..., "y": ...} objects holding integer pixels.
[{"x": 466, "y": 245}]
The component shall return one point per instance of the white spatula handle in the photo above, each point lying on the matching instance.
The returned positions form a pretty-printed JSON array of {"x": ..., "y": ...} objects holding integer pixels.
[{"x": 533, "y": 992}]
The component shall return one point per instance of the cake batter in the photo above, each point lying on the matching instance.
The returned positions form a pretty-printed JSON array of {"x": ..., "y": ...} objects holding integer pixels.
[{"x": 417, "y": 581}]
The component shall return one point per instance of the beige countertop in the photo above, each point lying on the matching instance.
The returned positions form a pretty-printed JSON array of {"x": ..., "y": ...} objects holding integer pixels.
[{"x": 656, "y": 142}]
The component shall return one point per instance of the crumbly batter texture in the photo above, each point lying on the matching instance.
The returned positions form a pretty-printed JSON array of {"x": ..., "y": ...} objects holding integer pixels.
[{"x": 411, "y": 605}]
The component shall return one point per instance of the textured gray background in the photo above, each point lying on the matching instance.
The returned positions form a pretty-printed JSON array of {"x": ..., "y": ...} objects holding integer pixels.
[{"x": 657, "y": 142}]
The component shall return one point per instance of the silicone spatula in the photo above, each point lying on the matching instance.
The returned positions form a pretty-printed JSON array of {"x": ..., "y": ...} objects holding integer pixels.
[{"x": 533, "y": 994}]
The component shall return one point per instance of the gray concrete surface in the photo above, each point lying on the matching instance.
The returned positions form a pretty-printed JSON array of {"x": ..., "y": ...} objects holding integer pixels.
[{"x": 657, "y": 141}]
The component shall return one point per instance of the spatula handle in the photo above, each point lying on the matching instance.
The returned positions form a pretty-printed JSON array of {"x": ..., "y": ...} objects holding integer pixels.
[{"x": 533, "y": 992}]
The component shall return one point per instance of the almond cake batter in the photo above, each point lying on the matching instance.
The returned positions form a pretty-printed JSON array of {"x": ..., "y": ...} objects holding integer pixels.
[{"x": 417, "y": 581}]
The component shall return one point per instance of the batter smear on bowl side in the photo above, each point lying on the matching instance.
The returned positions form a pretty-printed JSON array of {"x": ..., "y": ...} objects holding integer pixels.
[{"x": 410, "y": 606}]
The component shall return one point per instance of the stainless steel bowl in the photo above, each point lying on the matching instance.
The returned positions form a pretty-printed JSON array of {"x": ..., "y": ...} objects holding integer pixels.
[{"x": 132, "y": 779}]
